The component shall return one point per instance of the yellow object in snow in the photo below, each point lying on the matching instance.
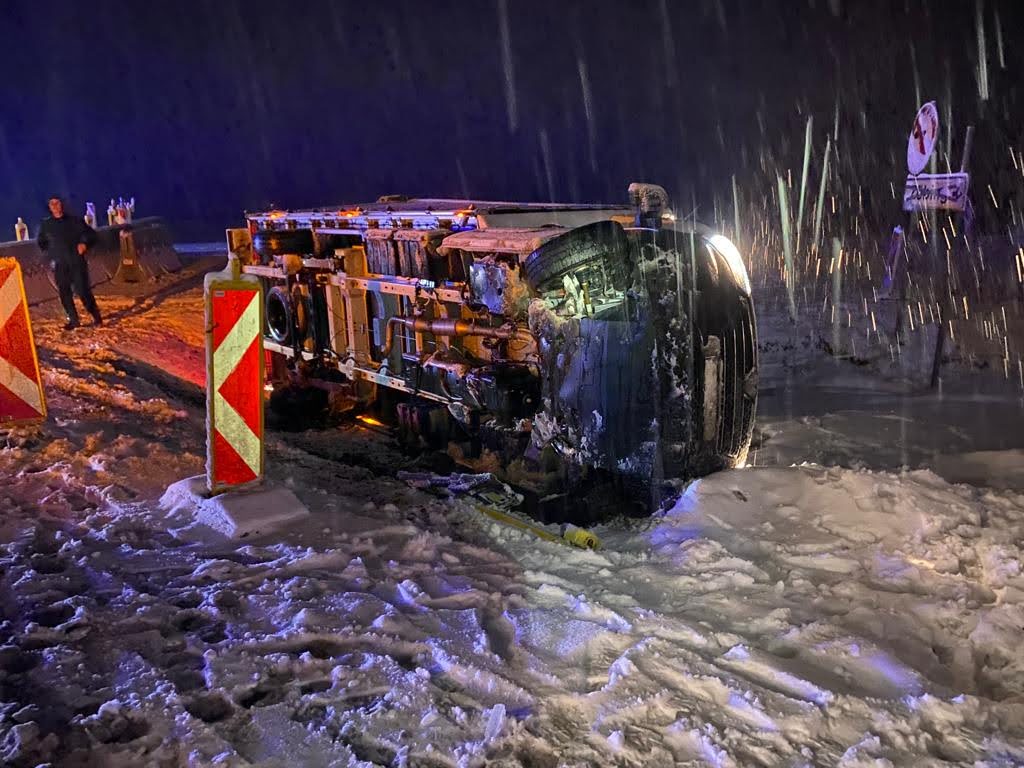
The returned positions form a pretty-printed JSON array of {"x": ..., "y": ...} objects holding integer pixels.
[
  {"x": 580, "y": 537},
  {"x": 576, "y": 537}
]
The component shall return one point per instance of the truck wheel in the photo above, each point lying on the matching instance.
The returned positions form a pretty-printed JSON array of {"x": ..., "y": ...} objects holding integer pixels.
[
  {"x": 731, "y": 360},
  {"x": 268, "y": 243},
  {"x": 577, "y": 247},
  {"x": 280, "y": 314},
  {"x": 725, "y": 352}
]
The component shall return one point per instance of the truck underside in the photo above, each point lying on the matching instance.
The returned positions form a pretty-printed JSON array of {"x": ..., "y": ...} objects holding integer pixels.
[{"x": 590, "y": 356}]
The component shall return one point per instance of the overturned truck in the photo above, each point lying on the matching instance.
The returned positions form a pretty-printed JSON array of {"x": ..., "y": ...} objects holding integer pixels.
[{"x": 572, "y": 350}]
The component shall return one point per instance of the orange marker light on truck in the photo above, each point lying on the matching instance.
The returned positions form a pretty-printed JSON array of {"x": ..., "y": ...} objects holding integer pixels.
[{"x": 371, "y": 421}]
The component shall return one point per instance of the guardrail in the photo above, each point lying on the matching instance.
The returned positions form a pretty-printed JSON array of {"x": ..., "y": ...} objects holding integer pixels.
[{"x": 153, "y": 243}]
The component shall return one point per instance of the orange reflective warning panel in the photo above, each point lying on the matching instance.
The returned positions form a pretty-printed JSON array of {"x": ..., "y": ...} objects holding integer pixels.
[{"x": 21, "y": 387}]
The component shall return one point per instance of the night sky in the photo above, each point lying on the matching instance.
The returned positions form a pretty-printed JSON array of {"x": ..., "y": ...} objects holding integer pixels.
[{"x": 203, "y": 109}]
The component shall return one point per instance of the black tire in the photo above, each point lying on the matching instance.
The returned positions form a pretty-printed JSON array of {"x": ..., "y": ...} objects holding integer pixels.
[
  {"x": 280, "y": 313},
  {"x": 577, "y": 247},
  {"x": 737, "y": 334},
  {"x": 319, "y": 320},
  {"x": 724, "y": 312},
  {"x": 268, "y": 243}
]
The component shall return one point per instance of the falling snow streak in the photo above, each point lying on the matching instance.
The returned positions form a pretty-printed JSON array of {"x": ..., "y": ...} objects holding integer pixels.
[
  {"x": 736, "y": 214},
  {"x": 837, "y": 288},
  {"x": 588, "y": 111},
  {"x": 999, "y": 38},
  {"x": 979, "y": 24},
  {"x": 545, "y": 151},
  {"x": 820, "y": 206},
  {"x": 669, "y": 46},
  {"x": 803, "y": 180},
  {"x": 509, "y": 67},
  {"x": 787, "y": 240}
]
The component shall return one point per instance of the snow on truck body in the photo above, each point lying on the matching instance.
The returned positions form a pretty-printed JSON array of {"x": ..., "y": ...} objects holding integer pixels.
[{"x": 559, "y": 345}]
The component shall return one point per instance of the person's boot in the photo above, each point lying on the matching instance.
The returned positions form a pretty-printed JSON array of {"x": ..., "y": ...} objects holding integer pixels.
[
  {"x": 71, "y": 324},
  {"x": 97, "y": 318}
]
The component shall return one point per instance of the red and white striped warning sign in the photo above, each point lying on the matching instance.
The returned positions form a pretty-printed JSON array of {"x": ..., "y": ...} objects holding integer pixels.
[
  {"x": 21, "y": 388},
  {"x": 234, "y": 381}
]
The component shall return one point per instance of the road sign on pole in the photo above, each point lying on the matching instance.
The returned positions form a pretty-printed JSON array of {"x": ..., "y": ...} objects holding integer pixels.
[
  {"x": 922, "y": 139},
  {"x": 936, "y": 192},
  {"x": 234, "y": 378},
  {"x": 21, "y": 387}
]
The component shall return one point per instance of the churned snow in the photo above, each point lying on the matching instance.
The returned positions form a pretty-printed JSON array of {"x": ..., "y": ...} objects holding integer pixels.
[{"x": 855, "y": 598}]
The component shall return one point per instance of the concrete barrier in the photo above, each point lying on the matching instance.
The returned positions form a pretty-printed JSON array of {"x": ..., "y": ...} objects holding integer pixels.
[{"x": 153, "y": 243}]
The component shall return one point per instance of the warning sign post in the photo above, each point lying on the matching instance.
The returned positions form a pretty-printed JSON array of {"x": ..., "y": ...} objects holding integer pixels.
[
  {"x": 21, "y": 387},
  {"x": 926, "y": 194},
  {"x": 234, "y": 378},
  {"x": 232, "y": 500}
]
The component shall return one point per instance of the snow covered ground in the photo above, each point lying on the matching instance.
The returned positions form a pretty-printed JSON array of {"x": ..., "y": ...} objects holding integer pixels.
[{"x": 843, "y": 602}]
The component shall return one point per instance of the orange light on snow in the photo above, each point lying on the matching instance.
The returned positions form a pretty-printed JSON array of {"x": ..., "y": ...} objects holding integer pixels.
[{"x": 371, "y": 421}]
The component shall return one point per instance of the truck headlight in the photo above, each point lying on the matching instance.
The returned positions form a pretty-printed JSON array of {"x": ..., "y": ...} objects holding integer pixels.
[{"x": 724, "y": 246}]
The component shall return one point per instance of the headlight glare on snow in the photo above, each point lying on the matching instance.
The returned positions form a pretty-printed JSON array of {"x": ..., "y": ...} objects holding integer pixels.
[{"x": 724, "y": 246}]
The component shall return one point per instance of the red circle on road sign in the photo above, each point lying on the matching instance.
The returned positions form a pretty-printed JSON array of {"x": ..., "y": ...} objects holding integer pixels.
[{"x": 923, "y": 135}]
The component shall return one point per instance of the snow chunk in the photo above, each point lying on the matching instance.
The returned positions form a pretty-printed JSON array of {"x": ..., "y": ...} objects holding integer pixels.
[
  {"x": 495, "y": 722},
  {"x": 616, "y": 741},
  {"x": 233, "y": 514}
]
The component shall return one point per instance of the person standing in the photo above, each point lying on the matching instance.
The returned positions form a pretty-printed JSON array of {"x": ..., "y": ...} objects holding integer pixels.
[{"x": 66, "y": 240}]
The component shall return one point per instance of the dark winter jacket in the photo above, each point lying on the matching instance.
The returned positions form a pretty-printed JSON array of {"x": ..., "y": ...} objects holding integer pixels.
[{"x": 59, "y": 238}]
